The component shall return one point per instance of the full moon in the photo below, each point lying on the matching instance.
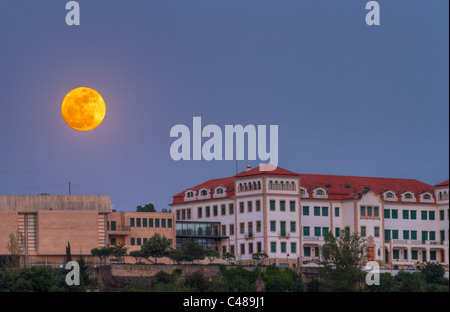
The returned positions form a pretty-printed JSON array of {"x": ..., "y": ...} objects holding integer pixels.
[{"x": 83, "y": 109}]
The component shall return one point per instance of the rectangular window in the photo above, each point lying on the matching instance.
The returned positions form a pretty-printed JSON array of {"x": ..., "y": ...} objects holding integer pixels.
[
  {"x": 163, "y": 223},
  {"x": 306, "y": 210},
  {"x": 396, "y": 254},
  {"x": 405, "y": 234},
  {"x": 394, "y": 234},
  {"x": 242, "y": 249},
  {"x": 363, "y": 231},
  {"x": 258, "y": 226},
  {"x": 405, "y": 214},
  {"x": 336, "y": 211},
  {"x": 150, "y": 222},
  {"x": 324, "y": 211},
  {"x": 258, "y": 205},
  {"x": 199, "y": 212},
  {"x": 363, "y": 211},
  {"x": 376, "y": 211},
  {"x": 215, "y": 211},
  {"x": 138, "y": 222},
  {"x": 441, "y": 215},
  {"x": 241, "y": 228},
  {"x": 293, "y": 247},
  {"x": 132, "y": 241},
  {"x": 282, "y": 205},
  {"x": 250, "y": 248},
  {"x": 325, "y": 231},
  {"x": 431, "y": 215},
  {"x": 157, "y": 222},
  {"x": 306, "y": 231},
  {"x": 376, "y": 231},
  {"x": 369, "y": 211},
  {"x": 169, "y": 223},
  {"x": 273, "y": 226},
  {"x": 387, "y": 235},
  {"x": 231, "y": 229},
  {"x": 414, "y": 255},
  {"x": 231, "y": 209},
  {"x": 183, "y": 214},
  {"x": 432, "y": 255},
  {"x": 307, "y": 251},
  {"x": 224, "y": 230},
  {"x": 144, "y": 222},
  {"x": 178, "y": 214},
  {"x": 424, "y": 215},
  {"x": 249, "y": 206},
  {"x": 413, "y": 214},
  {"x": 337, "y": 232},
  {"x": 273, "y": 246},
  {"x": 131, "y": 222},
  {"x": 272, "y": 205},
  {"x": 317, "y": 231},
  {"x": 316, "y": 211},
  {"x": 414, "y": 235},
  {"x": 424, "y": 236},
  {"x": 232, "y": 249},
  {"x": 138, "y": 241},
  {"x": 432, "y": 235},
  {"x": 223, "y": 209},
  {"x": 293, "y": 230},
  {"x": 387, "y": 213},
  {"x": 283, "y": 247},
  {"x": 144, "y": 241},
  {"x": 394, "y": 214},
  {"x": 292, "y": 205},
  {"x": 258, "y": 247},
  {"x": 207, "y": 211}
]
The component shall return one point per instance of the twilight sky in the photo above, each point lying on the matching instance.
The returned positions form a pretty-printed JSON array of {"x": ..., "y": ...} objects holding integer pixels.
[{"x": 348, "y": 98}]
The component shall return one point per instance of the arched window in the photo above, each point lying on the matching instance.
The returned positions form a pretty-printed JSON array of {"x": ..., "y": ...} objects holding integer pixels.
[
  {"x": 270, "y": 185},
  {"x": 219, "y": 191},
  {"x": 240, "y": 187},
  {"x": 245, "y": 187},
  {"x": 408, "y": 196},
  {"x": 445, "y": 195},
  {"x": 250, "y": 186},
  {"x": 255, "y": 187},
  {"x": 204, "y": 193},
  {"x": 281, "y": 185},
  {"x": 275, "y": 185},
  {"x": 302, "y": 192},
  {"x": 259, "y": 185},
  {"x": 390, "y": 195},
  {"x": 440, "y": 196},
  {"x": 320, "y": 192},
  {"x": 292, "y": 186},
  {"x": 426, "y": 196},
  {"x": 190, "y": 194}
]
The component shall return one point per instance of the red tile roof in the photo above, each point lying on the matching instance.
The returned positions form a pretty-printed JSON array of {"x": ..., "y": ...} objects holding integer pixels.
[
  {"x": 445, "y": 183},
  {"x": 336, "y": 186}
]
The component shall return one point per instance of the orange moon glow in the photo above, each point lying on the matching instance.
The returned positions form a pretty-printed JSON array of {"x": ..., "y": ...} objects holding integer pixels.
[{"x": 83, "y": 109}]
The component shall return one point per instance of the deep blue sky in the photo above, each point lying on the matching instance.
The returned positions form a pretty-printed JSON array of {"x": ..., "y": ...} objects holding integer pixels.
[{"x": 348, "y": 98}]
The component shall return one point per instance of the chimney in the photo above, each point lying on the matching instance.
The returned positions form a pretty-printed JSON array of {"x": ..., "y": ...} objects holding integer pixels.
[{"x": 249, "y": 167}]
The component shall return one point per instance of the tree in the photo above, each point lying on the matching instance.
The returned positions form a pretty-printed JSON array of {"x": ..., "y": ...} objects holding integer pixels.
[
  {"x": 192, "y": 250},
  {"x": 138, "y": 255},
  {"x": 433, "y": 273},
  {"x": 146, "y": 208},
  {"x": 68, "y": 257},
  {"x": 156, "y": 246},
  {"x": 259, "y": 257},
  {"x": 229, "y": 257},
  {"x": 340, "y": 259},
  {"x": 196, "y": 281},
  {"x": 176, "y": 255},
  {"x": 211, "y": 254},
  {"x": 102, "y": 253},
  {"x": 119, "y": 251},
  {"x": 15, "y": 249}
]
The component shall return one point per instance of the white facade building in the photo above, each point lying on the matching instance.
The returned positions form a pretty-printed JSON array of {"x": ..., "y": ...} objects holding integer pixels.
[{"x": 287, "y": 215}]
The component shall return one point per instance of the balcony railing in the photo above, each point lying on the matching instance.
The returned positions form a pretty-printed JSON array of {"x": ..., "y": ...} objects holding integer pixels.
[{"x": 120, "y": 228}]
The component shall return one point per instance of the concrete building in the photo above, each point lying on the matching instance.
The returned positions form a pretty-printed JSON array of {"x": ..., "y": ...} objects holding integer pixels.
[
  {"x": 47, "y": 223},
  {"x": 287, "y": 215}
]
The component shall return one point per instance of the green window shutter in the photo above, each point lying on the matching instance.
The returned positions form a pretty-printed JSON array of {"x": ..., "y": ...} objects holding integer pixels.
[
  {"x": 387, "y": 213},
  {"x": 369, "y": 211},
  {"x": 414, "y": 255},
  {"x": 424, "y": 236},
  {"x": 405, "y": 214},
  {"x": 138, "y": 222},
  {"x": 363, "y": 211},
  {"x": 169, "y": 223},
  {"x": 387, "y": 234},
  {"x": 273, "y": 226},
  {"x": 395, "y": 254},
  {"x": 163, "y": 223},
  {"x": 325, "y": 211},
  {"x": 336, "y": 211},
  {"x": 405, "y": 234},
  {"x": 283, "y": 247},
  {"x": 272, "y": 205},
  {"x": 293, "y": 247},
  {"x": 138, "y": 241},
  {"x": 157, "y": 223},
  {"x": 432, "y": 255},
  {"x": 317, "y": 231},
  {"x": 432, "y": 215},
  {"x": 413, "y": 215},
  {"x": 316, "y": 211},
  {"x": 150, "y": 222},
  {"x": 442, "y": 236},
  {"x": 132, "y": 242},
  {"x": 337, "y": 232},
  {"x": 306, "y": 231},
  {"x": 292, "y": 205},
  {"x": 424, "y": 215},
  {"x": 293, "y": 226},
  {"x": 282, "y": 205},
  {"x": 144, "y": 222},
  {"x": 432, "y": 235},
  {"x": 306, "y": 210},
  {"x": 316, "y": 252},
  {"x": 376, "y": 211},
  {"x": 394, "y": 214},
  {"x": 363, "y": 231},
  {"x": 325, "y": 231},
  {"x": 441, "y": 215},
  {"x": 377, "y": 231},
  {"x": 131, "y": 222},
  {"x": 394, "y": 234},
  {"x": 273, "y": 247},
  {"x": 307, "y": 251},
  {"x": 414, "y": 235}
]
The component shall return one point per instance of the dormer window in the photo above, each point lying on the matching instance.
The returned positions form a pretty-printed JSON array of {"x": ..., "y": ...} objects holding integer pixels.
[
  {"x": 347, "y": 187},
  {"x": 219, "y": 190},
  {"x": 427, "y": 196},
  {"x": 366, "y": 188},
  {"x": 408, "y": 196},
  {"x": 327, "y": 186},
  {"x": 190, "y": 194},
  {"x": 320, "y": 192},
  {"x": 302, "y": 191},
  {"x": 390, "y": 195}
]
